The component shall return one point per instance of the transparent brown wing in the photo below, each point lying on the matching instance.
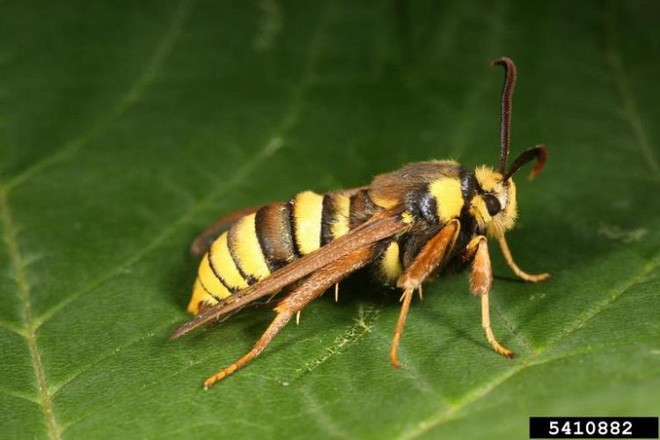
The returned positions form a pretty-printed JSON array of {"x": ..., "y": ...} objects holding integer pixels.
[{"x": 382, "y": 225}]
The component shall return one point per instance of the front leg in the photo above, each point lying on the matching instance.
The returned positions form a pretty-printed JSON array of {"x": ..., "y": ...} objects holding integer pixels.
[
  {"x": 429, "y": 258},
  {"x": 506, "y": 252},
  {"x": 481, "y": 279}
]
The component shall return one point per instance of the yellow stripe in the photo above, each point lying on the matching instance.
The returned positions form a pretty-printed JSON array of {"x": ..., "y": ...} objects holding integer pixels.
[
  {"x": 479, "y": 211},
  {"x": 210, "y": 280},
  {"x": 307, "y": 210},
  {"x": 383, "y": 202},
  {"x": 487, "y": 177},
  {"x": 198, "y": 295},
  {"x": 390, "y": 264},
  {"x": 449, "y": 198},
  {"x": 247, "y": 249},
  {"x": 341, "y": 216},
  {"x": 224, "y": 264}
]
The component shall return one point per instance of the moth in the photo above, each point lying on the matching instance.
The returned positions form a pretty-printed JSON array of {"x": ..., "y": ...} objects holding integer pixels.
[{"x": 424, "y": 219}]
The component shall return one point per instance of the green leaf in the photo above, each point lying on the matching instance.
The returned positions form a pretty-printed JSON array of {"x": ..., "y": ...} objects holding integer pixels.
[{"x": 126, "y": 128}]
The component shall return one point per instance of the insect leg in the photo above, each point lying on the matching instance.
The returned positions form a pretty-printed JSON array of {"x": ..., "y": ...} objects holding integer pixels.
[
  {"x": 400, "y": 324},
  {"x": 311, "y": 288},
  {"x": 278, "y": 323},
  {"x": 481, "y": 279},
  {"x": 534, "y": 278},
  {"x": 377, "y": 228},
  {"x": 429, "y": 258},
  {"x": 203, "y": 241}
]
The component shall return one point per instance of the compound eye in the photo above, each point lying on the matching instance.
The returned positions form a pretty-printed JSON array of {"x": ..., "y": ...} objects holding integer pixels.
[{"x": 492, "y": 204}]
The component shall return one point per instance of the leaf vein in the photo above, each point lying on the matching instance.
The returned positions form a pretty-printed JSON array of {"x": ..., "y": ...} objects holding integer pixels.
[
  {"x": 589, "y": 349},
  {"x": 323, "y": 418},
  {"x": 18, "y": 264},
  {"x": 601, "y": 306},
  {"x": 73, "y": 375},
  {"x": 166, "y": 233},
  {"x": 630, "y": 112},
  {"x": 512, "y": 328},
  {"x": 483, "y": 391},
  {"x": 13, "y": 329},
  {"x": 274, "y": 143},
  {"x": 362, "y": 325},
  {"x": 21, "y": 396},
  {"x": 132, "y": 95}
]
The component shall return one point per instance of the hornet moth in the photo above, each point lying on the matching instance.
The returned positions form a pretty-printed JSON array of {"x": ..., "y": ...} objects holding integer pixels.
[{"x": 426, "y": 218}]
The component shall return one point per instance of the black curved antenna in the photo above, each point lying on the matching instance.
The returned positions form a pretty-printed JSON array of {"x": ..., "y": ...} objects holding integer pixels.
[
  {"x": 539, "y": 152},
  {"x": 507, "y": 95}
]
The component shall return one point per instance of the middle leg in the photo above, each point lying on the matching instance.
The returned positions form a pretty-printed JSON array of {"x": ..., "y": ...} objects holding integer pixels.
[{"x": 429, "y": 258}]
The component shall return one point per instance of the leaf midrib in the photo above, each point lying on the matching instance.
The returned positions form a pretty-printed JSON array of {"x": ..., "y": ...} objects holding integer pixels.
[
  {"x": 30, "y": 324},
  {"x": 290, "y": 117},
  {"x": 30, "y": 331}
]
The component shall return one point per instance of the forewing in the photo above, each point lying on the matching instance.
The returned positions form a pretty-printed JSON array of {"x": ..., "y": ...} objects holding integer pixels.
[{"x": 382, "y": 225}]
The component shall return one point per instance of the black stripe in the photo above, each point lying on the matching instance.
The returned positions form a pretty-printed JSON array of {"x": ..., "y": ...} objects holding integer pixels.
[
  {"x": 291, "y": 220},
  {"x": 469, "y": 185},
  {"x": 403, "y": 260},
  {"x": 361, "y": 208},
  {"x": 201, "y": 283},
  {"x": 423, "y": 205},
  {"x": 249, "y": 279},
  {"x": 411, "y": 244},
  {"x": 264, "y": 242},
  {"x": 328, "y": 219},
  {"x": 217, "y": 274},
  {"x": 469, "y": 188},
  {"x": 429, "y": 205},
  {"x": 274, "y": 235}
]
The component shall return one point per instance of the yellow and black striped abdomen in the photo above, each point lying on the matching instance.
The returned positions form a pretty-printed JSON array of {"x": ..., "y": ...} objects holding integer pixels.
[{"x": 260, "y": 243}]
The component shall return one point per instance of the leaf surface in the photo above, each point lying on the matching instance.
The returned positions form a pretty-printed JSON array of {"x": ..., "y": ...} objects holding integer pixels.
[{"x": 126, "y": 129}]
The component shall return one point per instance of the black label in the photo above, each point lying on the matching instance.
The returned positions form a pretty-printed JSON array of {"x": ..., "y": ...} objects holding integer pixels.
[{"x": 593, "y": 427}]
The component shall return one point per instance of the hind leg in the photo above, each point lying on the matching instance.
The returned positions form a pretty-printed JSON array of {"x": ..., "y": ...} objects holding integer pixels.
[{"x": 309, "y": 289}]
